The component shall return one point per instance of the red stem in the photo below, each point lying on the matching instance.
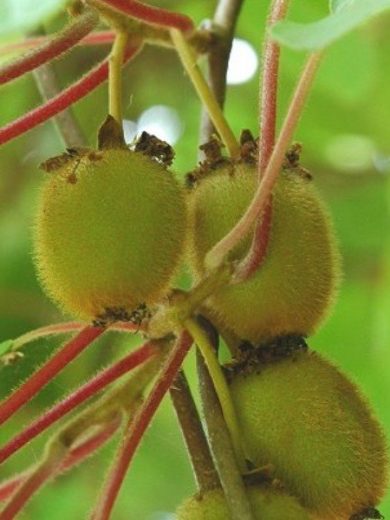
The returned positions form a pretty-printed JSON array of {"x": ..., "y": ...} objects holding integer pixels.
[
  {"x": 48, "y": 371},
  {"x": 75, "y": 456},
  {"x": 95, "y": 38},
  {"x": 149, "y": 14},
  {"x": 52, "y": 48},
  {"x": 97, "y": 383},
  {"x": 137, "y": 427},
  {"x": 58, "y": 103},
  {"x": 29, "y": 486},
  {"x": 269, "y": 88},
  {"x": 259, "y": 246}
]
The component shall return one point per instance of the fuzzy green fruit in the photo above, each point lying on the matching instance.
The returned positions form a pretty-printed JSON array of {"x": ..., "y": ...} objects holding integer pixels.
[
  {"x": 306, "y": 419},
  {"x": 267, "y": 504},
  {"x": 294, "y": 286},
  {"x": 109, "y": 233}
]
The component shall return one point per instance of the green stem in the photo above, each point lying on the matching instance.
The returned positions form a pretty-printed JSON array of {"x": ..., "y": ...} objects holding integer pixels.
[
  {"x": 115, "y": 76},
  {"x": 221, "y": 388},
  {"x": 207, "y": 97}
]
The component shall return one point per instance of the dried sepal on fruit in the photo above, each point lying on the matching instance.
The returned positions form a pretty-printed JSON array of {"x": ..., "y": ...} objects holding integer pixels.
[
  {"x": 267, "y": 503},
  {"x": 110, "y": 230},
  {"x": 303, "y": 416}
]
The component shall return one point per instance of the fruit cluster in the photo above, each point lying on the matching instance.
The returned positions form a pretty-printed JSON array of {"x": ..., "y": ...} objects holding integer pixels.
[{"x": 112, "y": 228}]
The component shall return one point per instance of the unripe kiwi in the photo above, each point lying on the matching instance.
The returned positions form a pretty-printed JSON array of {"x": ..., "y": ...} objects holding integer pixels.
[
  {"x": 296, "y": 282},
  {"x": 267, "y": 504},
  {"x": 109, "y": 232},
  {"x": 304, "y": 417}
]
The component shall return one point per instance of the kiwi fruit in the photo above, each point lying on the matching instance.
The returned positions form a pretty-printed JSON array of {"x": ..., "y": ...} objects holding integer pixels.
[
  {"x": 300, "y": 414},
  {"x": 295, "y": 285},
  {"x": 267, "y": 504},
  {"x": 109, "y": 232}
]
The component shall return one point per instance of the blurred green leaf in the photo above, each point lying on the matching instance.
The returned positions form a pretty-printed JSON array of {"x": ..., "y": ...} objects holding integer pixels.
[
  {"x": 315, "y": 36},
  {"x": 25, "y": 14}
]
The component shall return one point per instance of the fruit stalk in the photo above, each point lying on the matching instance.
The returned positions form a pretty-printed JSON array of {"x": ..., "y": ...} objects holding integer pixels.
[
  {"x": 137, "y": 427},
  {"x": 48, "y": 371},
  {"x": 224, "y": 24},
  {"x": 205, "y": 94},
  {"x": 115, "y": 76},
  {"x": 222, "y": 449},
  {"x": 221, "y": 388},
  {"x": 216, "y": 255},
  {"x": 193, "y": 433},
  {"x": 52, "y": 47},
  {"x": 76, "y": 398}
]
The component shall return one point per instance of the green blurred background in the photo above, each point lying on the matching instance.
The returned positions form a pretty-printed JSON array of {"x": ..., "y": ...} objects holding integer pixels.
[{"x": 345, "y": 133}]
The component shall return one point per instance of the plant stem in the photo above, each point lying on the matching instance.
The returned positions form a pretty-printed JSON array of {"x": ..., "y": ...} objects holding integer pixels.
[
  {"x": 224, "y": 24},
  {"x": 222, "y": 449},
  {"x": 207, "y": 97},
  {"x": 67, "y": 125},
  {"x": 194, "y": 436},
  {"x": 97, "y": 383},
  {"x": 33, "y": 482},
  {"x": 48, "y": 371},
  {"x": 217, "y": 254},
  {"x": 115, "y": 76},
  {"x": 75, "y": 456},
  {"x": 221, "y": 388},
  {"x": 52, "y": 48},
  {"x": 137, "y": 427},
  {"x": 149, "y": 14},
  {"x": 55, "y": 105},
  {"x": 269, "y": 88}
]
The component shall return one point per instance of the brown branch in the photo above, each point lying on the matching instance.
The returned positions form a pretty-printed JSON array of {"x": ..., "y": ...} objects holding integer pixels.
[{"x": 194, "y": 436}]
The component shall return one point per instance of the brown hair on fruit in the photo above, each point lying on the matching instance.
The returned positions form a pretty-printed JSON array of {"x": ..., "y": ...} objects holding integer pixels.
[
  {"x": 295, "y": 284},
  {"x": 267, "y": 504},
  {"x": 304, "y": 417},
  {"x": 109, "y": 232}
]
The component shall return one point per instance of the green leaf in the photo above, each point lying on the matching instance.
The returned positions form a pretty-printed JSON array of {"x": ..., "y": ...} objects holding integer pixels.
[
  {"x": 22, "y": 15},
  {"x": 346, "y": 16}
]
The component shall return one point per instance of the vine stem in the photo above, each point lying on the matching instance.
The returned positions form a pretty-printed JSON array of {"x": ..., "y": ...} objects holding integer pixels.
[
  {"x": 193, "y": 433},
  {"x": 48, "y": 371},
  {"x": 52, "y": 47},
  {"x": 66, "y": 98},
  {"x": 217, "y": 254},
  {"x": 138, "y": 426},
  {"x": 207, "y": 97},
  {"x": 269, "y": 88},
  {"x": 115, "y": 76},
  {"x": 97, "y": 383},
  {"x": 75, "y": 456},
  {"x": 221, "y": 388},
  {"x": 149, "y": 14}
]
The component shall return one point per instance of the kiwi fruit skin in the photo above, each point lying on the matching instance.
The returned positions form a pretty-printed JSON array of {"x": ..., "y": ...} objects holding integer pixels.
[
  {"x": 296, "y": 283},
  {"x": 109, "y": 232},
  {"x": 267, "y": 504},
  {"x": 305, "y": 418}
]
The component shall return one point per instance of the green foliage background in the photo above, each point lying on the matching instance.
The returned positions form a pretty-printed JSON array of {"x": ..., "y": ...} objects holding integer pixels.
[{"x": 350, "y": 97}]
